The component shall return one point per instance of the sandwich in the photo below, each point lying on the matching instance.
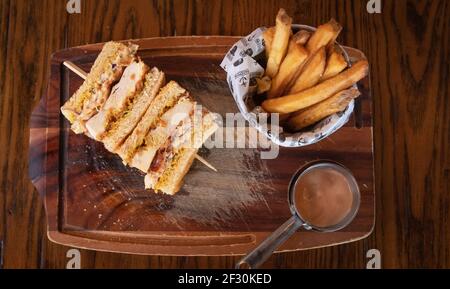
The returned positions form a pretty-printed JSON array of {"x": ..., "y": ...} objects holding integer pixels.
[
  {"x": 173, "y": 160},
  {"x": 122, "y": 94},
  {"x": 127, "y": 121},
  {"x": 153, "y": 127},
  {"x": 92, "y": 94}
]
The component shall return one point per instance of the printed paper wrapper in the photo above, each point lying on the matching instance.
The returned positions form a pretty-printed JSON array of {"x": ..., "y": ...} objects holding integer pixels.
[{"x": 242, "y": 68}]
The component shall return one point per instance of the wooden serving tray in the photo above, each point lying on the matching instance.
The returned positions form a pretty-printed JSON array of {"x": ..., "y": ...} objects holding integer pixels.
[{"x": 94, "y": 202}]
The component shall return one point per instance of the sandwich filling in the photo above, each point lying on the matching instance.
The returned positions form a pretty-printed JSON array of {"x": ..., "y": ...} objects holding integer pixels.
[{"x": 121, "y": 96}]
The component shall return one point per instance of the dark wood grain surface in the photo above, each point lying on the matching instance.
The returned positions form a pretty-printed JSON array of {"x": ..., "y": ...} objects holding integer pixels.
[{"x": 407, "y": 46}]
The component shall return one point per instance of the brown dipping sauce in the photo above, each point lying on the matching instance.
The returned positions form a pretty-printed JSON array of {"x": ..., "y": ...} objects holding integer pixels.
[{"x": 323, "y": 197}]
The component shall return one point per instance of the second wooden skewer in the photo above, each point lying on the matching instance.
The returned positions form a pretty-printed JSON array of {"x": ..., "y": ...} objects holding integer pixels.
[{"x": 81, "y": 73}]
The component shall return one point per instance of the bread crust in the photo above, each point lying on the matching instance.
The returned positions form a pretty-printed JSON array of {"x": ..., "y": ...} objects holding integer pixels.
[{"x": 183, "y": 165}]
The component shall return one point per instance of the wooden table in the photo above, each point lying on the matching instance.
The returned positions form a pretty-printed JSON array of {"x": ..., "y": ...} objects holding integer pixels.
[{"x": 407, "y": 46}]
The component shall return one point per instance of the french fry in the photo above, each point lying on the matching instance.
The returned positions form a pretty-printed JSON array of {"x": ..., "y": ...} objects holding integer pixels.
[
  {"x": 323, "y": 36},
  {"x": 301, "y": 37},
  {"x": 318, "y": 111},
  {"x": 311, "y": 72},
  {"x": 268, "y": 39},
  {"x": 280, "y": 43},
  {"x": 321, "y": 91},
  {"x": 263, "y": 84},
  {"x": 293, "y": 61},
  {"x": 335, "y": 64},
  {"x": 283, "y": 118}
]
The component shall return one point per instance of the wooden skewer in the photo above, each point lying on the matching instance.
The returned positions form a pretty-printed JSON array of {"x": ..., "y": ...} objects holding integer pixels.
[
  {"x": 83, "y": 74},
  {"x": 202, "y": 160},
  {"x": 76, "y": 69}
]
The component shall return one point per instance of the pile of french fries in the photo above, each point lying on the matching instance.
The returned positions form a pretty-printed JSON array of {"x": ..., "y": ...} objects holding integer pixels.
[{"x": 306, "y": 77}]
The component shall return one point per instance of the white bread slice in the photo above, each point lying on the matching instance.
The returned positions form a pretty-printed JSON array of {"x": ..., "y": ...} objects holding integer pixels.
[
  {"x": 165, "y": 99},
  {"x": 128, "y": 120},
  {"x": 91, "y": 95},
  {"x": 122, "y": 94},
  {"x": 157, "y": 137}
]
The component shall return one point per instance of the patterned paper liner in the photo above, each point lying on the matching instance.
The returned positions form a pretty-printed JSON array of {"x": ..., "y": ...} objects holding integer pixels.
[{"x": 242, "y": 69}]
